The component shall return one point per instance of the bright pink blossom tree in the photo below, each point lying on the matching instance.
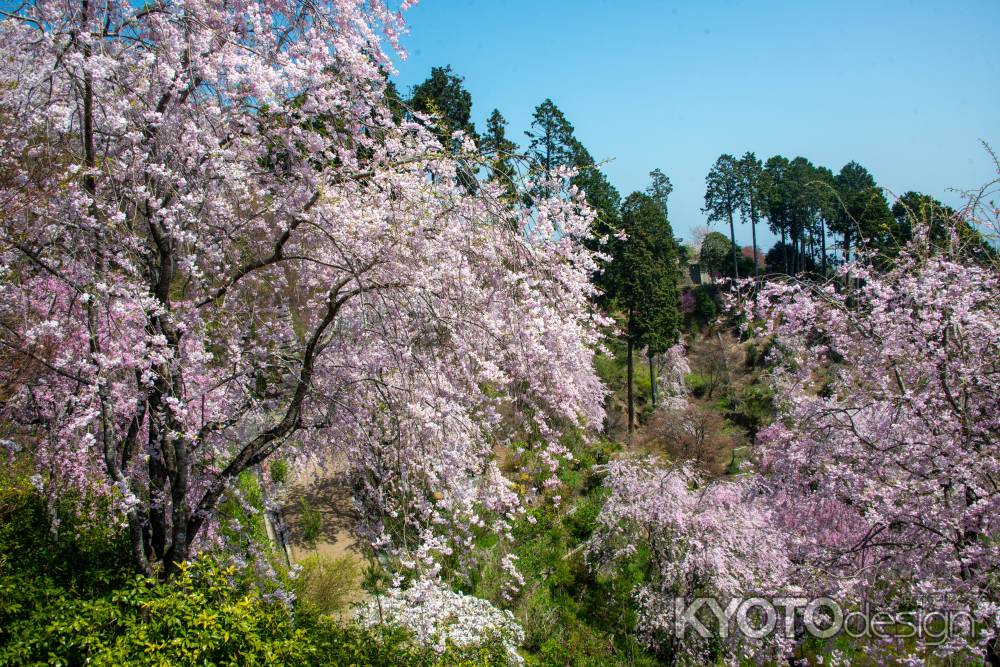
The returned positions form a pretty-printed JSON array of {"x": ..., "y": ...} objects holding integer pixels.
[{"x": 217, "y": 243}]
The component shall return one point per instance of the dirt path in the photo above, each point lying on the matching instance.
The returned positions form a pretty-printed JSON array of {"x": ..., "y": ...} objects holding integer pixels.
[{"x": 323, "y": 489}]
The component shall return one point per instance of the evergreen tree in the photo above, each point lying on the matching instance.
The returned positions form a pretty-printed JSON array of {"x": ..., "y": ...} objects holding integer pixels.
[
  {"x": 659, "y": 189},
  {"x": 776, "y": 204},
  {"x": 601, "y": 195},
  {"x": 722, "y": 196},
  {"x": 947, "y": 230},
  {"x": 753, "y": 196},
  {"x": 716, "y": 254},
  {"x": 552, "y": 142},
  {"x": 443, "y": 96},
  {"x": 864, "y": 216},
  {"x": 499, "y": 150},
  {"x": 643, "y": 285},
  {"x": 825, "y": 191},
  {"x": 803, "y": 204},
  {"x": 552, "y": 145}
]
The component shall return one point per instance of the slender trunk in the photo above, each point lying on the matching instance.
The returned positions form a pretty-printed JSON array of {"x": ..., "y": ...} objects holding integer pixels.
[
  {"x": 652, "y": 378},
  {"x": 732, "y": 239},
  {"x": 822, "y": 231},
  {"x": 784, "y": 249},
  {"x": 793, "y": 241},
  {"x": 753, "y": 235},
  {"x": 812, "y": 245},
  {"x": 628, "y": 376},
  {"x": 847, "y": 255}
]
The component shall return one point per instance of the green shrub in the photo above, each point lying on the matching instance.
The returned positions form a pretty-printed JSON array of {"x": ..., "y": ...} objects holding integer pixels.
[
  {"x": 312, "y": 522},
  {"x": 241, "y": 516},
  {"x": 279, "y": 471},
  {"x": 698, "y": 383},
  {"x": 705, "y": 305},
  {"x": 327, "y": 584},
  {"x": 70, "y": 597},
  {"x": 752, "y": 407},
  {"x": 209, "y": 614}
]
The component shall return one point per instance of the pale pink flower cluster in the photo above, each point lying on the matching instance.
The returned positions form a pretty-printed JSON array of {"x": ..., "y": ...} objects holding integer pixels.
[{"x": 702, "y": 538}]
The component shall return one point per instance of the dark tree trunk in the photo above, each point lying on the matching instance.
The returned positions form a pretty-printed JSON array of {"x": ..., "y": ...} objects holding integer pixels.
[
  {"x": 822, "y": 232},
  {"x": 784, "y": 250},
  {"x": 812, "y": 246},
  {"x": 732, "y": 239},
  {"x": 753, "y": 236},
  {"x": 628, "y": 376},
  {"x": 993, "y": 652},
  {"x": 793, "y": 241}
]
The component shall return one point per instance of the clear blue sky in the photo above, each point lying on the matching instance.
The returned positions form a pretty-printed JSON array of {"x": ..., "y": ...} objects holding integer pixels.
[{"x": 905, "y": 88}]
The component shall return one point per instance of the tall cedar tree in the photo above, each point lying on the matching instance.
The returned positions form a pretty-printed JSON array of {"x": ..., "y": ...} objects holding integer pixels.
[
  {"x": 499, "y": 150},
  {"x": 753, "y": 193},
  {"x": 825, "y": 191},
  {"x": 722, "y": 196},
  {"x": 774, "y": 204},
  {"x": 553, "y": 144},
  {"x": 643, "y": 282},
  {"x": 803, "y": 205},
  {"x": 443, "y": 96},
  {"x": 793, "y": 200},
  {"x": 660, "y": 189},
  {"x": 864, "y": 216}
]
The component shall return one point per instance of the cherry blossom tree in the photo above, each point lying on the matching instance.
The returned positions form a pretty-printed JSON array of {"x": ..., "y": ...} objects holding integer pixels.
[
  {"x": 702, "y": 539},
  {"x": 885, "y": 461},
  {"x": 217, "y": 243}
]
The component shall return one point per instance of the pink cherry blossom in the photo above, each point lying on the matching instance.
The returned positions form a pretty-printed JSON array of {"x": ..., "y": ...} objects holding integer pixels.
[{"x": 219, "y": 244}]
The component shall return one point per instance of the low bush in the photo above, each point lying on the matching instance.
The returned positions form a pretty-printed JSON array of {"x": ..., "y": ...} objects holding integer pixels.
[
  {"x": 69, "y": 597},
  {"x": 327, "y": 584}
]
